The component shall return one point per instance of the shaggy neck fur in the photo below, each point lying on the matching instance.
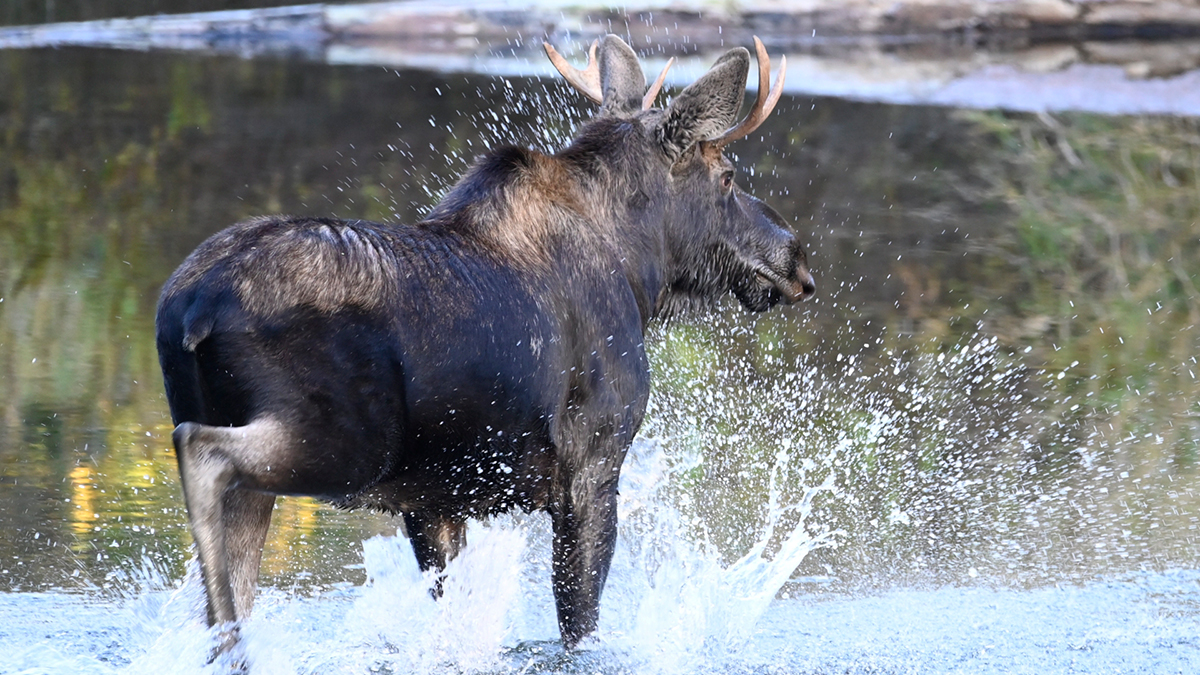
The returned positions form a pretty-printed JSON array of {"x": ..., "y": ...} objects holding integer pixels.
[{"x": 600, "y": 203}]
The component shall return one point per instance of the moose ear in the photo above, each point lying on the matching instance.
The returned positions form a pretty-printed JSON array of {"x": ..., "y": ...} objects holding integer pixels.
[
  {"x": 621, "y": 79},
  {"x": 708, "y": 107}
]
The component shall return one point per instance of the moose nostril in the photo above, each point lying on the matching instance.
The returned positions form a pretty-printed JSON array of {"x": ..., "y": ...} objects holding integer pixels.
[{"x": 807, "y": 286}]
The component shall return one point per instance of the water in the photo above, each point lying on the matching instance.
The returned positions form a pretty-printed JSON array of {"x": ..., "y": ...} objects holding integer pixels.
[
  {"x": 671, "y": 608},
  {"x": 975, "y": 451}
]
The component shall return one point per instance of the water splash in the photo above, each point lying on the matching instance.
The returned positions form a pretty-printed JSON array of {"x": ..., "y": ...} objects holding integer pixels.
[
  {"x": 679, "y": 607},
  {"x": 671, "y": 605}
]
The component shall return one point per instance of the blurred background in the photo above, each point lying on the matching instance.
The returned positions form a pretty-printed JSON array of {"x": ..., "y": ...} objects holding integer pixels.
[{"x": 1000, "y": 203}]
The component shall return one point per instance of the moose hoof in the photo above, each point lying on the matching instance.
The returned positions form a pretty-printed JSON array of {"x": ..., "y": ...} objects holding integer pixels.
[{"x": 228, "y": 649}]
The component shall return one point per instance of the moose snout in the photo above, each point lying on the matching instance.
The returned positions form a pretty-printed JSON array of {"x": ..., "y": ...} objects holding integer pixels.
[
  {"x": 798, "y": 285},
  {"x": 792, "y": 286},
  {"x": 784, "y": 262},
  {"x": 805, "y": 286}
]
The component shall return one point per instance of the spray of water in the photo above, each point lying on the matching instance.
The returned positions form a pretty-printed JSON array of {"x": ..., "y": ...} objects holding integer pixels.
[{"x": 671, "y": 606}]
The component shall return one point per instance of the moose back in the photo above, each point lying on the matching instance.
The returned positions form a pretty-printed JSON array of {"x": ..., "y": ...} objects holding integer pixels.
[{"x": 489, "y": 357}]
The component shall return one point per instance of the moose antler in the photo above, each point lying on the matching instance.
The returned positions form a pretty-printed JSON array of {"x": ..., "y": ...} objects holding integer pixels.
[
  {"x": 764, "y": 104},
  {"x": 587, "y": 81},
  {"x": 652, "y": 92}
]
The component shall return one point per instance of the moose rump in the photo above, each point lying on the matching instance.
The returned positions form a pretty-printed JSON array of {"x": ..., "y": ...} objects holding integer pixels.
[{"x": 489, "y": 357}]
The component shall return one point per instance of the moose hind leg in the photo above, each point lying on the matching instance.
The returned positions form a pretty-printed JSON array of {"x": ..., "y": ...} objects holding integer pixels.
[
  {"x": 247, "y": 517},
  {"x": 228, "y": 528},
  {"x": 436, "y": 540}
]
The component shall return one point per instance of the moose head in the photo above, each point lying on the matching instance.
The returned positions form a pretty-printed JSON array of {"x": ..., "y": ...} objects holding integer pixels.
[{"x": 718, "y": 238}]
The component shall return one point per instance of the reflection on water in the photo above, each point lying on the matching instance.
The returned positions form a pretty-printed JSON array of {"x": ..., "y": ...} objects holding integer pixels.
[{"x": 998, "y": 373}]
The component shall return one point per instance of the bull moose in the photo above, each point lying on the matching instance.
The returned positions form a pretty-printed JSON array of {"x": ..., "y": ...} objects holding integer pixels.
[{"x": 489, "y": 357}]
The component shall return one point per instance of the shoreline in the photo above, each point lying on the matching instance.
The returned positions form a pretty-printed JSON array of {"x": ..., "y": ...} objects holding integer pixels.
[
  {"x": 703, "y": 23},
  {"x": 1118, "y": 57}
]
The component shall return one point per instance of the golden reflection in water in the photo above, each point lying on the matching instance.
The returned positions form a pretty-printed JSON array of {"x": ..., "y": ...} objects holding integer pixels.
[
  {"x": 82, "y": 513},
  {"x": 310, "y": 538},
  {"x": 127, "y": 501},
  {"x": 293, "y": 524}
]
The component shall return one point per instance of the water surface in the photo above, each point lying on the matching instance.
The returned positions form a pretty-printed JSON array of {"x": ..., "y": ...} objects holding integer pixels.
[{"x": 995, "y": 386}]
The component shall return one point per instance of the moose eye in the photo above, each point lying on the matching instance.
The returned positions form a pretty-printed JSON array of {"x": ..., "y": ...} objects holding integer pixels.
[{"x": 727, "y": 180}]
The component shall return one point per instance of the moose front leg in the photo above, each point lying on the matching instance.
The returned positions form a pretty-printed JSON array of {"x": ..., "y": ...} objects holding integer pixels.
[
  {"x": 591, "y": 440},
  {"x": 584, "y": 514}
]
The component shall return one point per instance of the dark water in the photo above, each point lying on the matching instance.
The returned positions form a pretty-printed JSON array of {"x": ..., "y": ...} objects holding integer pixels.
[{"x": 998, "y": 378}]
